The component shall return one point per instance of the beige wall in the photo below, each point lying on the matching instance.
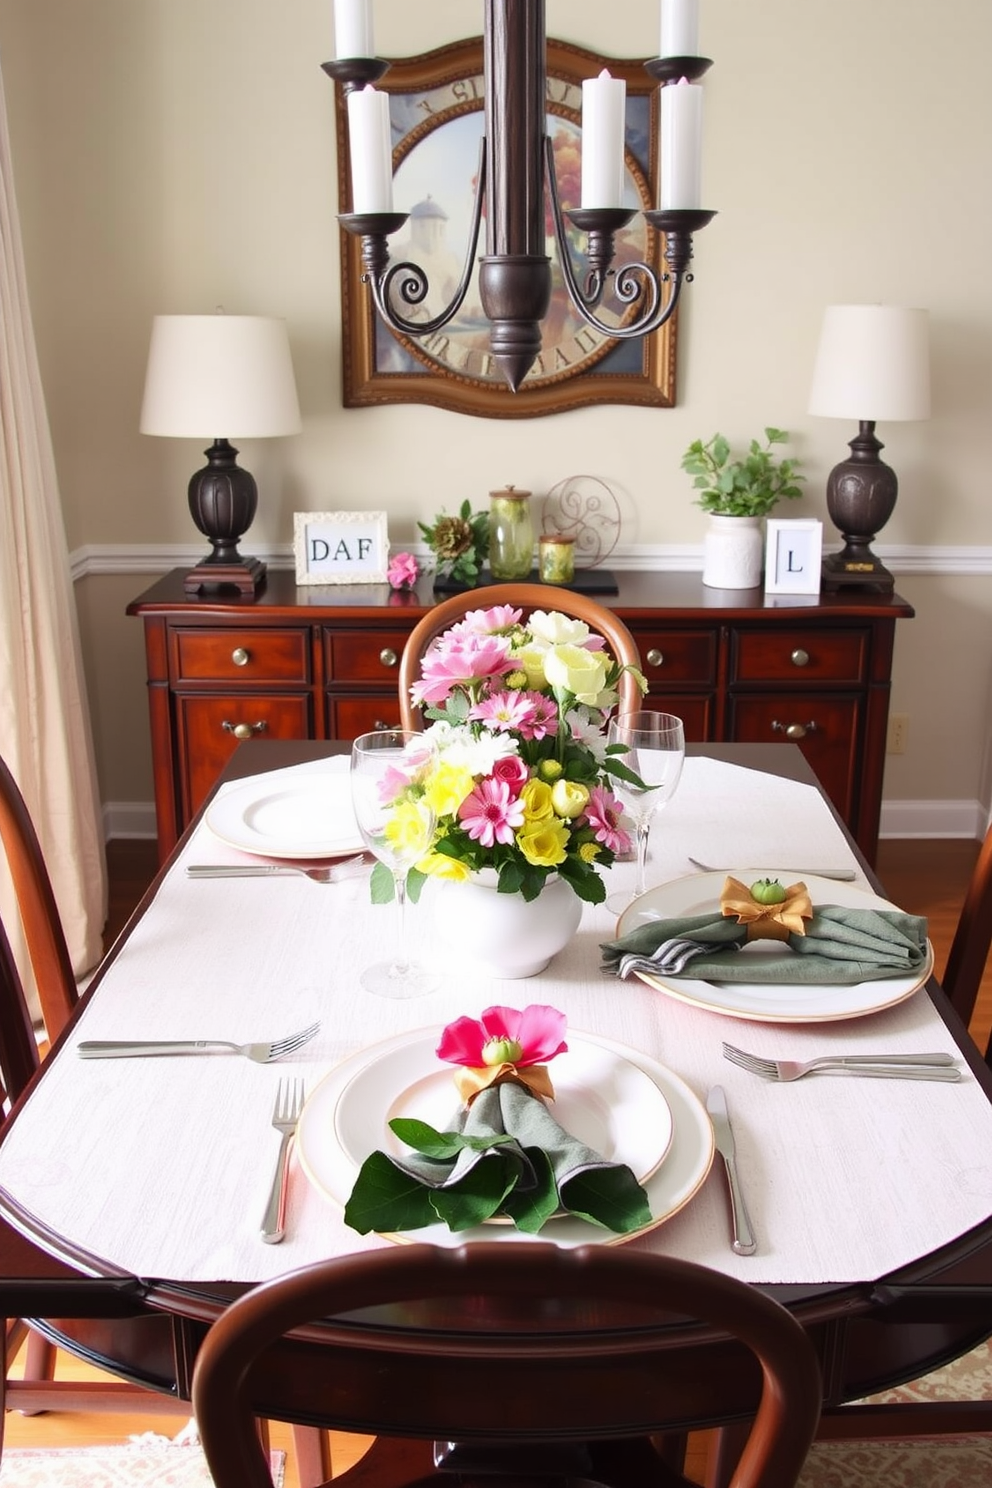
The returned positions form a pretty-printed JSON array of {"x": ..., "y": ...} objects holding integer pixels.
[{"x": 173, "y": 155}]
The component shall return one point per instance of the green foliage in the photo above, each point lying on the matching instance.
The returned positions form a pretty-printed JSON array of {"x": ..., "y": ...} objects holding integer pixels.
[
  {"x": 460, "y": 544},
  {"x": 744, "y": 486}
]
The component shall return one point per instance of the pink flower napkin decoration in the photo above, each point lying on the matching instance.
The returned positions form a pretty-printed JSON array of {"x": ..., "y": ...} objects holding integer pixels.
[{"x": 504, "y": 1044}]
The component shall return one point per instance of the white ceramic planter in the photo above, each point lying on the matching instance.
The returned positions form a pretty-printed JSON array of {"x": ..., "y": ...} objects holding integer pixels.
[
  {"x": 733, "y": 552},
  {"x": 503, "y": 933}
]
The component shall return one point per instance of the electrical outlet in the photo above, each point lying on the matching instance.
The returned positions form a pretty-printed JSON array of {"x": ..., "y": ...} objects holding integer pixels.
[{"x": 898, "y": 729}]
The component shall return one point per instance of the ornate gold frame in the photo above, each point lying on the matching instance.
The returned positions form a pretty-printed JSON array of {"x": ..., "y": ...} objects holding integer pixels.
[{"x": 454, "y": 73}]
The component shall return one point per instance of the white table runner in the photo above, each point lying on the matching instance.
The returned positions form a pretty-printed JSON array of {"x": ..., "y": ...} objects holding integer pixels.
[{"x": 162, "y": 1166}]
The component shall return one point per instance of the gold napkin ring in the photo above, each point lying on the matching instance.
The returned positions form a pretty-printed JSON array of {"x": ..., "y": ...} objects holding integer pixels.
[
  {"x": 767, "y": 921},
  {"x": 470, "y": 1081}
]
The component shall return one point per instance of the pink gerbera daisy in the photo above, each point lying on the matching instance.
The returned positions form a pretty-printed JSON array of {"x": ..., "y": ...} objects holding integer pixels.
[
  {"x": 487, "y": 622},
  {"x": 603, "y": 813},
  {"x": 458, "y": 662},
  {"x": 491, "y": 813},
  {"x": 505, "y": 711}
]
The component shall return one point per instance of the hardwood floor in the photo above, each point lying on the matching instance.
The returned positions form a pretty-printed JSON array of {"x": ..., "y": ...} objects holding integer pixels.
[{"x": 924, "y": 877}]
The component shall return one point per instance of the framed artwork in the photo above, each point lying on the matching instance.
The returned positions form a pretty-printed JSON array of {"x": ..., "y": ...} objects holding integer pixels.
[
  {"x": 793, "y": 555},
  {"x": 436, "y": 111},
  {"x": 340, "y": 547}
]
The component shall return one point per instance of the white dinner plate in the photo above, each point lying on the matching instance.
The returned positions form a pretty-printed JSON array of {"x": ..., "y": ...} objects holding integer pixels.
[
  {"x": 332, "y": 1169},
  {"x": 757, "y": 1002},
  {"x": 602, "y": 1098},
  {"x": 310, "y": 816}
]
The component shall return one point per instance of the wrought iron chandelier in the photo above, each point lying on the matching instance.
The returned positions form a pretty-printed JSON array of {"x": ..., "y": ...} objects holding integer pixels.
[{"x": 516, "y": 166}]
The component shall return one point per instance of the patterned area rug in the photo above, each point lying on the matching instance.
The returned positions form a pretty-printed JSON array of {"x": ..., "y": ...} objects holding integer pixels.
[
  {"x": 944, "y": 1462},
  {"x": 148, "y": 1461}
]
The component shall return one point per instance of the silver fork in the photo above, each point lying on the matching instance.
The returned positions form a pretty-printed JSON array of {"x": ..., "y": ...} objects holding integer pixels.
[
  {"x": 880, "y": 1066},
  {"x": 332, "y": 873},
  {"x": 285, "y": 1115},
  {"x": 261, "y": 1053},
  {"x": 846, "y": 875}
]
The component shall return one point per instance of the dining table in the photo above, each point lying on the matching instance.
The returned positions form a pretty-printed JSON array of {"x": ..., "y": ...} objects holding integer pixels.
[{"x": 133, "y": 1188}]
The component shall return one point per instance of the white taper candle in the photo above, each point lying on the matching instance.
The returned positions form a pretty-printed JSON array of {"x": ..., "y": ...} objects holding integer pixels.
[
  {"x": 371, "y": 151},
  {"x": 604, "y": 102},
  {"x": 353, "y": 28},
  {"x": 679, "y": 28},
  {"x": 681, "y": 145}
]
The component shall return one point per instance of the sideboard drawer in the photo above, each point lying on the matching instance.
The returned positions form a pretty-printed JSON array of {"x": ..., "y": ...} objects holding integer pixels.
[
  {"x": 348, "y": 717},
  {"x": 211, "y": 728},
  {"x": 364, "y": 655},
  {"x": 677, "y": 655},
  {"x": 826, "y": 728},
  {"x": 695, "y": 712},
  {"x": 248, "y": 656},
  {"x": 803, "y": 656}
]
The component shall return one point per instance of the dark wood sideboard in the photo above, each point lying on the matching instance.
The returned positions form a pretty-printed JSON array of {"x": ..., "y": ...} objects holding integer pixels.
[{"x": 308, "y": 662}]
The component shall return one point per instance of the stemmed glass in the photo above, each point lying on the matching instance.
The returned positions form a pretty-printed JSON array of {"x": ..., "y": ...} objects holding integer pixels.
[
  {"x": 655, "y": 752},
  {"x": 397, "y": 825}
]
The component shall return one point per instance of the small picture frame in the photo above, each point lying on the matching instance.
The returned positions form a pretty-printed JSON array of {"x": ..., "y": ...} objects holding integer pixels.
[
  {"x": 793, "y": 555},
  {"x": 341, "y": 547}
]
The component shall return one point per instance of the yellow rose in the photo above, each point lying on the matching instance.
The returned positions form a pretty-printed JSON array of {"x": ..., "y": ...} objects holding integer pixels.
[
  {"x": 447, "y": 788},
  {"x": 543, "y": 842},
  {"x": 575, "y": 670},
  {"x": 536, "y": 798},
  {"x": 439, "y": 865},
  {"x": 407, "y": 830},
  {"x": 568, "y": 798},
  {"x": 530, "y": 660},
  {"x": 549, "y": 769}
]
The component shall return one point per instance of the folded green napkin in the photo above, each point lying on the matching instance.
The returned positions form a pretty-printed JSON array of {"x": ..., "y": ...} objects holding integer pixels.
[
  {"x": 841, "y": 946},
  {"x": 506, "y": 1154}
]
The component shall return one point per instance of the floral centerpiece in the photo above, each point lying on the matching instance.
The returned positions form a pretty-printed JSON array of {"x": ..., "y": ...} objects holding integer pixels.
[
  {"x": 520, "y": 783},
  {"x": 503, "y": 1153}
]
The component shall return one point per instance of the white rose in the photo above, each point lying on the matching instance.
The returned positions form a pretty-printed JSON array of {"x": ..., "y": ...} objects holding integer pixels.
[
  {"x": 555, "y": 629},
  {"x": 575, "y": 670}
]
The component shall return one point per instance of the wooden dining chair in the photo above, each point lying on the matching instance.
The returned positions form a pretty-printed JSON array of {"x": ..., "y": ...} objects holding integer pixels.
[
  {"x": 38, "y": 1391},
  {"x": 526, "y": 597},
  {"x": 578, "y": 1386}
]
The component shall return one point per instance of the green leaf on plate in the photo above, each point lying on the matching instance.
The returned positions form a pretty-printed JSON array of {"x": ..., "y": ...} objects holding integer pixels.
[
  {"x": 443, "y": 1145},
  {"x": 610, "y": 1197},
  {"x": 385, "y": 1199},
  {"x": 477, "y": 1196},
  {"x": 530, "y": 1208}
]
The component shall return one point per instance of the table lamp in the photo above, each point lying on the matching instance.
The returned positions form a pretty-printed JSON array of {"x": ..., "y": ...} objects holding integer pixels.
[
  {"x": 221, "y": 372},
  {"x": 872, "y": 363}
]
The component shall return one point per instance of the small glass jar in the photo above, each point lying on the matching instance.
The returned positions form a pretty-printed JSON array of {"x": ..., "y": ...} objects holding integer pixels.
[
  {"x": 557, "y": 558},
  {"x": 511, "y": 534}
]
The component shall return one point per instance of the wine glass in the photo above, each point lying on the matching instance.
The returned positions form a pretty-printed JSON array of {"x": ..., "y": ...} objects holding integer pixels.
[
  {"x": 388, "y": 768},
  {"x": 655, "y": 752}
]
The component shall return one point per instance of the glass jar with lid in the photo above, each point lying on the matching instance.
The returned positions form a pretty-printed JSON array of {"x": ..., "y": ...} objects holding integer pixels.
[{"x": 511, "y": 534}]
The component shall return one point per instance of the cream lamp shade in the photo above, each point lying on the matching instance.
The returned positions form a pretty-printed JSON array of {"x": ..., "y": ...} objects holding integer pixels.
[
  {"x": 872, "y": 364},
  {"x": 214, "y": 376}
]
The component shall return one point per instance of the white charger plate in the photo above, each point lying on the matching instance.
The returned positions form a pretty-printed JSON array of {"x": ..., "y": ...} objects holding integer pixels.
[
  {"x": 755, "y": 1001},
  {"x": 310, "y": 816},
  {"x": 679, "y": 1171}
]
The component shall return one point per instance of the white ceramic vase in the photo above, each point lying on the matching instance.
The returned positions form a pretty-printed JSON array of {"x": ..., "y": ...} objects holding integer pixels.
[
  {"x": 504, "y": 934},
  {"x": 733, "y": 551}
]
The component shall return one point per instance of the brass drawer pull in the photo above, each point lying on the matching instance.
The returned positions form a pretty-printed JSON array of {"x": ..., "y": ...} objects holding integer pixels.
[
  {"x": 793, "y": 730},
  {"x": 388, "y": 656},
  {"x": 245, "y": 730},
  {"x": 240, "y": 656},
  {"x": 799, "y": 657},
  {"x": 655, "y": 657}
]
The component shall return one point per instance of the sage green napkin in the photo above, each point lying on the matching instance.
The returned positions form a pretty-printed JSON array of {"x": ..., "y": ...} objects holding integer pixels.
[
  {"x": 841, "y": 946},
  {"x": 506, "y": 1154}
]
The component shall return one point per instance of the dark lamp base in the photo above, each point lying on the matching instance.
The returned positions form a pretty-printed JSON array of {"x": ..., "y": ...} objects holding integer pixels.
[
  {"x": 245, "y": 577},
  {"x": 856, "y": 571}
]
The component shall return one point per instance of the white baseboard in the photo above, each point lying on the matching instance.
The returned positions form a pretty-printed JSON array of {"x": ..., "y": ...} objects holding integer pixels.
[{"x": 966, "y": 819}]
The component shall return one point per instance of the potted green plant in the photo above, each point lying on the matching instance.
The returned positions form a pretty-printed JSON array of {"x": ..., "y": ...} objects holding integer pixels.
[{"x": 736, "y": 492}]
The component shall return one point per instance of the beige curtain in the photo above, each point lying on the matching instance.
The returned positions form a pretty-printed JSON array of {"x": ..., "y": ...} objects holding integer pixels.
[{"x": 44, "y": 721}]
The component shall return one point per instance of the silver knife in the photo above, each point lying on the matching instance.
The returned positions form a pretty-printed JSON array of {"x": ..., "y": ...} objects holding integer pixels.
[
  {"x": 744, "y": 1242},
  {"x": 843, "y": 875}
]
